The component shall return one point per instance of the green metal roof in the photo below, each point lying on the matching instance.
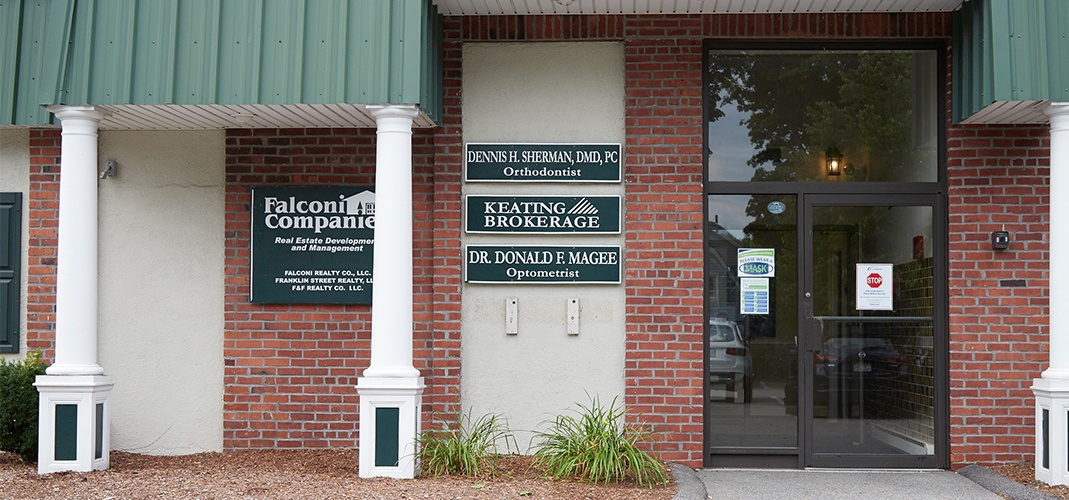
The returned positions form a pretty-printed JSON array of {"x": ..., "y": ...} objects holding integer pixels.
[
  {"x": 1010, "y": 59},
  {"x": 139, "y": 54}
]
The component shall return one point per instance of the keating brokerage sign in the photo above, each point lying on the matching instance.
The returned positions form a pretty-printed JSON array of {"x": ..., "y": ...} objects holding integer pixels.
[
  {"x": 542, "y": 214},
  {"x": 312, "y": 245},
  {"x": 529, "y": 162}
]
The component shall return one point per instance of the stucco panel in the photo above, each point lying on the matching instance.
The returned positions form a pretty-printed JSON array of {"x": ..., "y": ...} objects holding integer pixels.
[
  {"x": 161, "y": 289},
  {"x": 542, "y": 93}
]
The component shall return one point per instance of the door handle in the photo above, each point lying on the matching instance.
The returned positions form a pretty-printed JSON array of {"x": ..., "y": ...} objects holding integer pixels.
[{"x": 814, "y": 333}]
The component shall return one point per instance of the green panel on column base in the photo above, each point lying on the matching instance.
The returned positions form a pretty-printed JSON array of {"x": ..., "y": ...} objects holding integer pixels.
[
  {"x": 387, "y": 432},
  {"x": 66, "y": 432},
  {"x": 99, "y": 437},
  {"x": 1046, "y": 438}
]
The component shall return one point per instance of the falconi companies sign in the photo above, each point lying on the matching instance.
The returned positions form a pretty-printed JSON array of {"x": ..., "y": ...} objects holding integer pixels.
[
  {"x": 528, "y": 162},
  {"x": 312, "y": 245},
  {"x": 542, "y": 214}
]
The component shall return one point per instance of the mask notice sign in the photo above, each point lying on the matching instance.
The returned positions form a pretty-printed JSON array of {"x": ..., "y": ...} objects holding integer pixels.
[{"x": 874, "y": 287}]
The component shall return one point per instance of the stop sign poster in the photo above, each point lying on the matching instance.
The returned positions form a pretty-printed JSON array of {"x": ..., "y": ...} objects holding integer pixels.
[{"x": 874, "y": 287}]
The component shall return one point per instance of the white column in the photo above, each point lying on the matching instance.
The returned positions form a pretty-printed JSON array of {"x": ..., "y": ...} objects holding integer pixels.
[
  {"x": 73, "y": 410},
  {"x": 76, "y": 271},
  {"x": 391, "y": 388},
  {"x": 1052, "y": 389},
  {"x": 391, "y": 296}
]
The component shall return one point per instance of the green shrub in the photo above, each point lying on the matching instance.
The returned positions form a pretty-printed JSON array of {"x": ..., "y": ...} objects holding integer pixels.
[
  {"x": 470, "y": 448},
  {"x": 595, "y": 445},
  {"x": 18, "y": 405}
]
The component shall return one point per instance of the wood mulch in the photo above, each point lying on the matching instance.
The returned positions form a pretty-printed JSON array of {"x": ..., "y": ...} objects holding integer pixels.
[
  {"x": 326, "y": 474},
  {"x": 290, "y": 474},
  {"x": 1025, "y": 473}
]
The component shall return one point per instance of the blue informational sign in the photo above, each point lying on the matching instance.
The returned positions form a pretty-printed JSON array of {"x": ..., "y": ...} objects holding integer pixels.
[{"x": 755, "y": 295}]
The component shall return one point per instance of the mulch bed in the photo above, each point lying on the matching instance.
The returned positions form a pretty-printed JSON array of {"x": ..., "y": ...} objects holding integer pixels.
[
  {"x": 1025, "y": 473},
  {"x": 326, "y": 474},
  {"x": 290, "y": 474}
]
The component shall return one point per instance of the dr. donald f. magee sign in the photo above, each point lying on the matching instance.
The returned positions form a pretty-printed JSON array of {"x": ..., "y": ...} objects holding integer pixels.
[{"x": 312, "y": 245}]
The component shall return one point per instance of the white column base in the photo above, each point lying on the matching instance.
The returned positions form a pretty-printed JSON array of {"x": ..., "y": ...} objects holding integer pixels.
[
  {"x": 1052, "y": 453},
  {"x": 389, "y": 409},
  {"x": 74, "y": 420}
]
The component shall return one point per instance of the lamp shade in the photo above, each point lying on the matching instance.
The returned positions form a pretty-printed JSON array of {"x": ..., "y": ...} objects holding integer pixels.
[{"x": 833, "y": 161}]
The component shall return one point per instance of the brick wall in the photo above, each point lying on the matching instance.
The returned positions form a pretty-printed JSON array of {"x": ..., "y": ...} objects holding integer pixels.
[
  {"x": 663, "y": 176},
  {"x": 43, "y": 221},
  {"x": 998, "y": 179},
  {"x": 291, "y": 369},
  {"x": 442, "y": 395},
  {"x": 664, "y": 227}
]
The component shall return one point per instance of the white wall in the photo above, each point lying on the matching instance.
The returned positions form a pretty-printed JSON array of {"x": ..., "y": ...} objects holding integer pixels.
[
  {"x": 548, "y": 93},
  {"x": 161, "y": 289},
  {"x": 15, "y": 178}
]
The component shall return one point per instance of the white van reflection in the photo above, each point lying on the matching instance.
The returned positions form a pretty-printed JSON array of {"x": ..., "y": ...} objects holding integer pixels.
[{"x": 729, "y": 360}]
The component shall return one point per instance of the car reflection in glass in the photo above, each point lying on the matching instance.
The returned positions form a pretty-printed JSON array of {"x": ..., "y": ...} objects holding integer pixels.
[
  {"x": 852, "y": 372},
  {"x": 729, "y": 360}
]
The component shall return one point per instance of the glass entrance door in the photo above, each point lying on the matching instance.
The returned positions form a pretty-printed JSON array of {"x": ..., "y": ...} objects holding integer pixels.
[
  {"x": 751, "y": 414},
  {"x": 871, "y": 324},
  {"x": 825, "y": 327}
]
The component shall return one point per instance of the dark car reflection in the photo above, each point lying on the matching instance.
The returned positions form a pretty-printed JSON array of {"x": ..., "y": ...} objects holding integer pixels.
[{"x": 852, "y": 376}]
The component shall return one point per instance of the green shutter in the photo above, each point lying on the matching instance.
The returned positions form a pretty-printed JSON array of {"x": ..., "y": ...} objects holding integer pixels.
[{"x": 10, "y": 275}]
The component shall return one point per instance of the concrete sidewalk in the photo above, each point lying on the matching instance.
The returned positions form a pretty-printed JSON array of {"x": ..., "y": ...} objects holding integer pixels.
[{"x": 971, "y": 483}]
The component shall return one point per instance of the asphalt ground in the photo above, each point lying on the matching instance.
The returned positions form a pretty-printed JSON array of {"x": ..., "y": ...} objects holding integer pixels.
[{"x": 970, "y": 483}]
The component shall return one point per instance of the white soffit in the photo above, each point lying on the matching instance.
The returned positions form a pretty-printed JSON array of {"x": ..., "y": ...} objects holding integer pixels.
[
  {"x": 535, "y": 7},
  {"x": 1010, "y": 113},
  {"x": 172, "y": 117}
]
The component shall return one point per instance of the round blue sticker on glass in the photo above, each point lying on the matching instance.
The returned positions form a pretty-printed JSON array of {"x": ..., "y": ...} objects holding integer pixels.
[{"x": 777, "y": 207}]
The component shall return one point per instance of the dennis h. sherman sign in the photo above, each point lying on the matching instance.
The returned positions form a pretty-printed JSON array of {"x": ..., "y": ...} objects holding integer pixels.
[
  {"x": 526, "y": 162},
  {"x": 312, "y": 245}
]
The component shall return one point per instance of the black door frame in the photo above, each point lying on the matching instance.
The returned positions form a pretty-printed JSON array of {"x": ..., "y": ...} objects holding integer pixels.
[
  {"x": 843, "y": 192},
  {"x": 810, "y": 329}
]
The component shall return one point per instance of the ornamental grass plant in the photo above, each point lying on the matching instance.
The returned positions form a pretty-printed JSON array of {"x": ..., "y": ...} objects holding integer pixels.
[
  {"x": 596, "y": 445},
  {"x": 469, "y": 447}
]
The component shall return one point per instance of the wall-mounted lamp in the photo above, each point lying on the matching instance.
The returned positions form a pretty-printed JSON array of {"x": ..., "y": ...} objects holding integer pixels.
[
  {"x": 833, "y": 160},
  {"x": 1000, "y": 240},
  {"x": 109, "y": 169}
]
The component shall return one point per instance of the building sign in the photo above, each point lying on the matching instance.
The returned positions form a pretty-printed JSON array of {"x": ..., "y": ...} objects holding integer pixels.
[
  {"x": 542, "y": 264},
  {"x": 874, "y": 290},
  {"x": 543, "y": 214},
  {"x": 757, "y": 262},
  {"x": 542, "y": 162},
  {"x": 312, "y": 245}
]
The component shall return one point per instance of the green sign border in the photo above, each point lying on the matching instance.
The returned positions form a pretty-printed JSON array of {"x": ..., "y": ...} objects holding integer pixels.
[
  {"x": 512, "y": 156},
  {"x": 270, "y": 259},
  {"x": 605, "y": 203},
  {"x": 495, "y": 273}
]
